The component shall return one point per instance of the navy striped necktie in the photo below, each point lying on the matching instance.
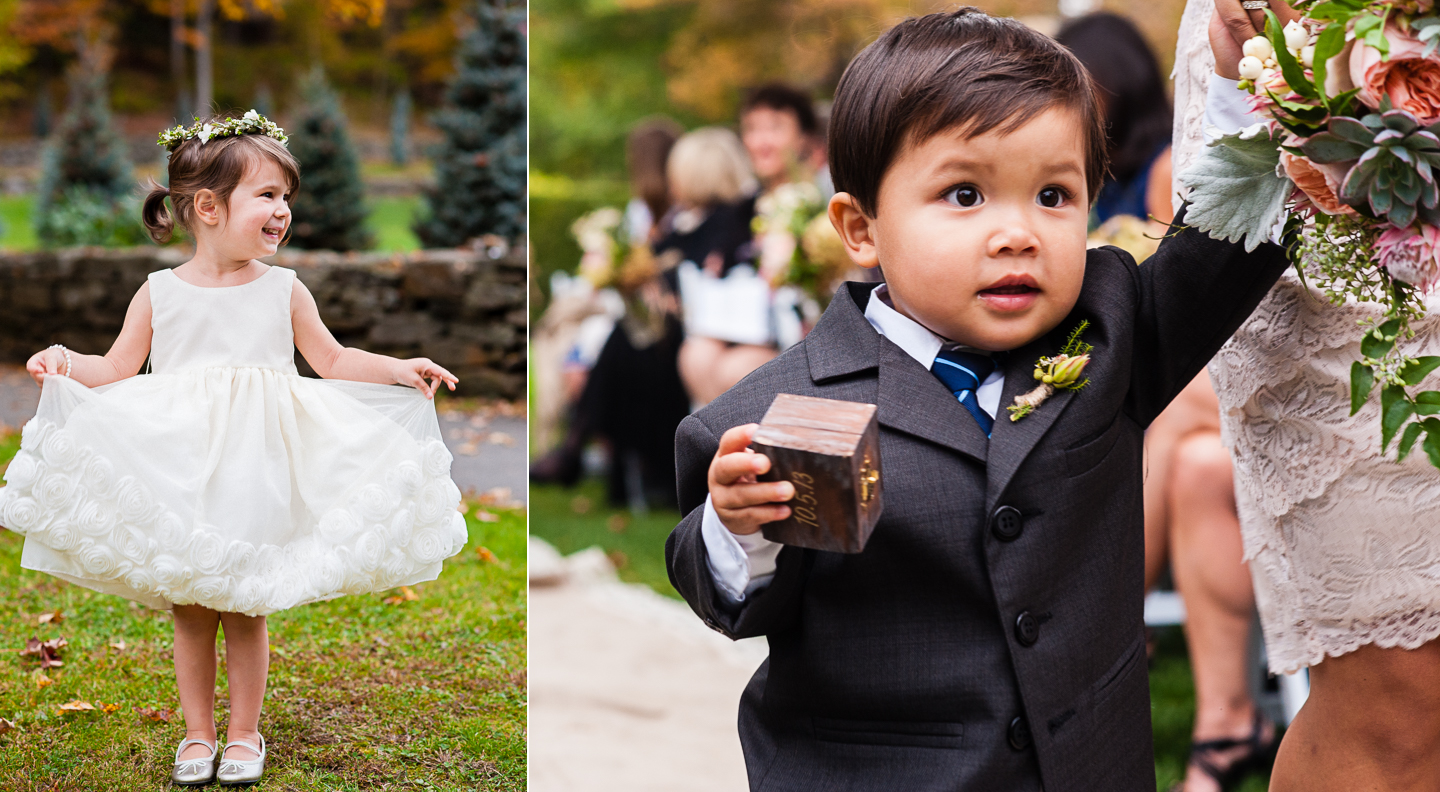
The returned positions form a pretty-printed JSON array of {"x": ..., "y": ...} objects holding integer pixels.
[{"x": 963, "y": 372}]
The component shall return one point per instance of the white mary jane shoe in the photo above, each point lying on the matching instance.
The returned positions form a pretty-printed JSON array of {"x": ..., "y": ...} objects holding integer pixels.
[
  {"x": 234, "y": 772},
  {"x": 194, "y": 772}
]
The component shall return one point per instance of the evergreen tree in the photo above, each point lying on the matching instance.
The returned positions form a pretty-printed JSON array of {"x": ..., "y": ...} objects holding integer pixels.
[
  {"x": 329, "y": 212},
  {"x": 480, "y": 167},
  {"x": 86, "y": 193}
]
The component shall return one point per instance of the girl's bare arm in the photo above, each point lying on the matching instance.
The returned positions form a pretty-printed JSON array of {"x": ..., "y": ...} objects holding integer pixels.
[
  {"x": 332, "y": 361},
  {"x": 124, "y": 359}
]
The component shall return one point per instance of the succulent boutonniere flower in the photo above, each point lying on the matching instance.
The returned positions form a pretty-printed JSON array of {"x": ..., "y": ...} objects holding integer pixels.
[{"x": 1061, "y": 372}]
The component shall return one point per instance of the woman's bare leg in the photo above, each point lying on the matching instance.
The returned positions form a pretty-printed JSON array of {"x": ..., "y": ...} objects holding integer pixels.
[
  {"x": 1195, "y": 409},
  {"x": 247, "y": 663},
  {"x": 1219, "y": 597},
  {"x": 195, "y": 628},
  {"x": 709, "y": 367},
  {"x": 1372, "y": 723}
]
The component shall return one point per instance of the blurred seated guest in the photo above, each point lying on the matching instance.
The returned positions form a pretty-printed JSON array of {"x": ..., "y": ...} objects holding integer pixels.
[
  {"x": 726, "y": 306},
  {"x": 629, "y": 389},
  {"x": 1137, "y": 115},
  {"x": 1191, "y": 521},
  {"x": 647, "y": 150},
  {"x": 781, "y": 134}
]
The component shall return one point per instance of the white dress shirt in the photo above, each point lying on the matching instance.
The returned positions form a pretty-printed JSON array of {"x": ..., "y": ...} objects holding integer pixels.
[{"x": 742, "y": 565}]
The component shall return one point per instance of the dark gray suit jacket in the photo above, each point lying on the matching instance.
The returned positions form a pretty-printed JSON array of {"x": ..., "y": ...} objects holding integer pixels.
[{"x": 970, "y": 647}]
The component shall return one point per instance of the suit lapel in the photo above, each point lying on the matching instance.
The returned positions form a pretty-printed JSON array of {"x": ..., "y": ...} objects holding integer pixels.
[
  {"x": 1012, "y": 441},
  {"x": 914, "y": 401}
]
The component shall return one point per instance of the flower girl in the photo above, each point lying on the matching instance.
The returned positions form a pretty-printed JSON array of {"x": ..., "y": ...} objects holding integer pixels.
[{"x": 223, "y": 485}]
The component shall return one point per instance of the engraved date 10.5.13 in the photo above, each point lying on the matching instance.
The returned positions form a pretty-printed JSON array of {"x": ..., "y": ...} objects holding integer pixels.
[{"x": 803, "y": 506}]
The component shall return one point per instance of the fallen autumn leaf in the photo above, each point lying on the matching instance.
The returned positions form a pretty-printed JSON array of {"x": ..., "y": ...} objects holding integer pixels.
[
  {"x": 76, "y": 705},
  {"x": 53, "y": 617},
  {"x": 156, "y": 715}
]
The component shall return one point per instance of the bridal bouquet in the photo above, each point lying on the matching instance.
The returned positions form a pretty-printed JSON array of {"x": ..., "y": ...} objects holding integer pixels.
[
  {"x": 1347, "y": 160},
  {"x": 608, "y": 257},
  {"x": 797, "y": 244}
]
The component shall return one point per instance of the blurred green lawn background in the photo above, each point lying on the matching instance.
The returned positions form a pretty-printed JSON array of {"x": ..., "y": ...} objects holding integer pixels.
[{"x": 390, "y": 218}]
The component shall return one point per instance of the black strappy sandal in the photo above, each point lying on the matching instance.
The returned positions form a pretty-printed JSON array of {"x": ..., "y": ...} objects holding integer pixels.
[{"x": 1206, "y": 755}]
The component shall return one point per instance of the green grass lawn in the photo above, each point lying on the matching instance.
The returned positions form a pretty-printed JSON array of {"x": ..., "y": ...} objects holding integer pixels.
[
  {"x": 390, "y": 219},
  {"x": 424, "y": 694},
  {"x": 575, "y": 519},
  {"x": 18, "y": 232}
]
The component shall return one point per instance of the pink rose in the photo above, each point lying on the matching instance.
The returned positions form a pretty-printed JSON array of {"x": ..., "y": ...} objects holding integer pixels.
[
  {"x": 1320, "y": 183},
  {"x": 1410, "y": 256},
  {"x": 1412, "y": 82}
]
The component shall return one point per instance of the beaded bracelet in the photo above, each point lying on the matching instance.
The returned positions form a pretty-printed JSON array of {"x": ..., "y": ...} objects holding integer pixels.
[{"x": 69, "y": 364}]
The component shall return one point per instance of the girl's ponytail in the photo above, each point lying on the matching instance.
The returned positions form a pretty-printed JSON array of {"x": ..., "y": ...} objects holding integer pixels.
[{"x": 158, "y": 220}]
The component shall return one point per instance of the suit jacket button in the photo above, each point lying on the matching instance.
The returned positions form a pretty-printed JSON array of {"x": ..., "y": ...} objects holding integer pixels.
[
  {"x": 1027, "y": 629},
  {"x": 1019, "y": 734},
  {"x": 1007, "y": 524}
]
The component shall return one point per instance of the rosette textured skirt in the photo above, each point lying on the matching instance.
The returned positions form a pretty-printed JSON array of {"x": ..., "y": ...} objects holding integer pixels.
[{"x": 240, "y": 488}]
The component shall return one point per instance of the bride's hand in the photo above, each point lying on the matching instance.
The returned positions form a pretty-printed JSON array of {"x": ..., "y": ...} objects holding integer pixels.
[{"x": 1243, "y": 25}]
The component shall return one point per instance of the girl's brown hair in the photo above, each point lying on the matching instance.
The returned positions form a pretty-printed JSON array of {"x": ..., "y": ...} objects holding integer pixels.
[{"x": 217, "y": 166}]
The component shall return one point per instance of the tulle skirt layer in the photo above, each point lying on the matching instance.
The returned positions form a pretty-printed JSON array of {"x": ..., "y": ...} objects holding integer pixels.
[{"x": 240, "y": 489}]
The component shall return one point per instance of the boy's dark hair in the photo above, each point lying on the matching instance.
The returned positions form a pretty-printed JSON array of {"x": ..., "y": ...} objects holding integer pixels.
[
  {"x": 963, "y": 70},
  {"x": 782, "y": 97}
]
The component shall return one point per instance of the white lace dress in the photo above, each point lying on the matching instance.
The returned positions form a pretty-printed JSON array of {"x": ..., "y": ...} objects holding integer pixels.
[
  {"x": 1343, "y": 544},
  {"x": 224, "y": 478}
]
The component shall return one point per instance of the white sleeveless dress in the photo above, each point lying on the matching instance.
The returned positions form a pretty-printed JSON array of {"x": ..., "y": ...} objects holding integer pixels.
[
  {"x": 1343, "y": 543},
  {"x": 224, "y": 478}
]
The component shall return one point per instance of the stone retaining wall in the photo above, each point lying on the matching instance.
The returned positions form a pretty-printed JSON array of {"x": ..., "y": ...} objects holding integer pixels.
[{"x": 464, "y": 310}]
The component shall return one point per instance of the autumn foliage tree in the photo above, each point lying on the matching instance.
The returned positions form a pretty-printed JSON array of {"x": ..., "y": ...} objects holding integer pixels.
[{"x": 480, "y": 168}]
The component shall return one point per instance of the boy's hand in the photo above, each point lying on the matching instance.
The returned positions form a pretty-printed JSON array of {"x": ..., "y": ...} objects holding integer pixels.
[
  {"x": 423, "y": 375},
  {"x": 742, "y": 503},
  {"x": 45, "y": 362}
]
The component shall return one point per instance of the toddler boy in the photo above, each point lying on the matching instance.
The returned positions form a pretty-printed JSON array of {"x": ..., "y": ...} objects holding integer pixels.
[{"x": 990, "y": 636}]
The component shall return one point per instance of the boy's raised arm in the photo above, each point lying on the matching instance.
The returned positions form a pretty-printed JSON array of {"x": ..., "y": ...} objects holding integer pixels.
[{"x": 1193, "y": 294}]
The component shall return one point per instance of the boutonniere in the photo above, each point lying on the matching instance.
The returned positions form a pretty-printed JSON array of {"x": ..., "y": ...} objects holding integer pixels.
[{"x": 1061, "y": 372}]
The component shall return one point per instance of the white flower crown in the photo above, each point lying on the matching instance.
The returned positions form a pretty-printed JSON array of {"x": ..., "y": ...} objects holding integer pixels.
[{"x": 252, "y": 123}]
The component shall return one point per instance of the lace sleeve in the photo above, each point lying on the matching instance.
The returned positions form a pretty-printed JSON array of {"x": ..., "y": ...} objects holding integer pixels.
[{"x": 1193, "y": 65}]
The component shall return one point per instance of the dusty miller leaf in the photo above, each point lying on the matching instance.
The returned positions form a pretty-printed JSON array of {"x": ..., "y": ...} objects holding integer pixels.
[{"x": 1235, "y": 190}]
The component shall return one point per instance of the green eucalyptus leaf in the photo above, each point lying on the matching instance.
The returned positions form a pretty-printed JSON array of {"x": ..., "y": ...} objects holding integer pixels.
[
  {"x": 1331, "y": 41},
  {"x": 1362, "y": 381},
  {"x": 1407, "y": 440},
  {"x": 1431, "y": 444},
  {"x": 1373, "y": 347},
  {"x": 1339, "y": 11},
  {"x": 1419, "y": 368},
  {"x": 1235, "y": 192},
  {"x": 1395, "y": 410},
  {"x": 1291, "y": 68},
  {"x": 1370, "y": 28}
]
